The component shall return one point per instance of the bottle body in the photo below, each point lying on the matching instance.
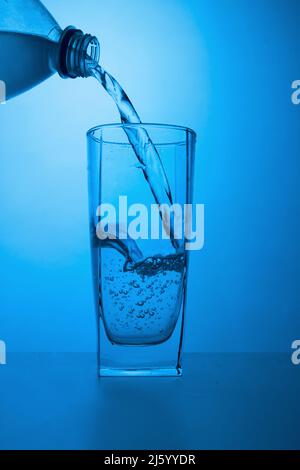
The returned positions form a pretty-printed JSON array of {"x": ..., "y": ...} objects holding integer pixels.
[
  {"x": 29, "y": 38},
  {"x": 33, "y": 47},
  {"x": 25, "y": 61}
]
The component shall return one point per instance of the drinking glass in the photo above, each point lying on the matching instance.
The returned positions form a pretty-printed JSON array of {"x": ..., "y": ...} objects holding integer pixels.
[{"x": 139, "y": 282}]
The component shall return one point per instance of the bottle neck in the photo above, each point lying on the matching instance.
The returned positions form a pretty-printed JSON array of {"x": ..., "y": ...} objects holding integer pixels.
[{"x": 78, "y": 53}]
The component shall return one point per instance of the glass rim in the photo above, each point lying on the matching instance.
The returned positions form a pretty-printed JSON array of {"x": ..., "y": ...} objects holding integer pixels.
[{"x": 174, "y": 127}]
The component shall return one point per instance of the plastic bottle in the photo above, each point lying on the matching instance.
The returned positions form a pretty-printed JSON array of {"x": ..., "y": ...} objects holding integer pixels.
[{"x": 33, "y": 47}]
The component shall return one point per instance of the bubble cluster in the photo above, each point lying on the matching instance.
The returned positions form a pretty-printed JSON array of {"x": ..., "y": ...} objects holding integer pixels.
[{"x": 141, "y": 305}]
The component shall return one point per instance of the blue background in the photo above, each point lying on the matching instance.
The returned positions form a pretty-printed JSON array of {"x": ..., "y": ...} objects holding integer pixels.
[{"x": 224, "y": 68}]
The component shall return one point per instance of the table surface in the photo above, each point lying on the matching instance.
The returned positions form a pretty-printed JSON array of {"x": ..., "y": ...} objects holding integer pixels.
[{"x": 223, "y": 401}]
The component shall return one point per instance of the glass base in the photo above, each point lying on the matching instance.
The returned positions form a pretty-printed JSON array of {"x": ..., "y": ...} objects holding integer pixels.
[
  {"x": 140, "y": 372},
  {"x": 159, "y": 360}
]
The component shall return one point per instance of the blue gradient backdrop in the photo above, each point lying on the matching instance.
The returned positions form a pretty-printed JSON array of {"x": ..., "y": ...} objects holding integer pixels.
[{"x": 224, "y": 68}]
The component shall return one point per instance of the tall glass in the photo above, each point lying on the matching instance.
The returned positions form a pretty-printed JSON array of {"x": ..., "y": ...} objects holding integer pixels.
[{"x": 139, "y": 269}]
